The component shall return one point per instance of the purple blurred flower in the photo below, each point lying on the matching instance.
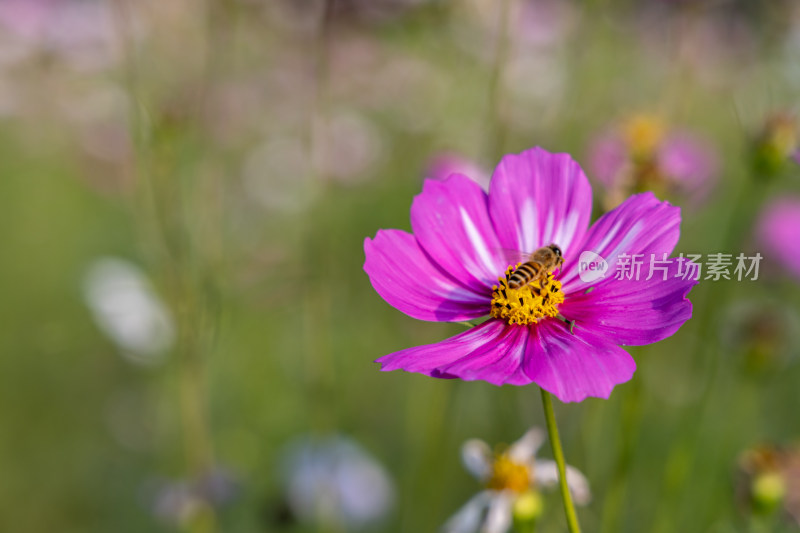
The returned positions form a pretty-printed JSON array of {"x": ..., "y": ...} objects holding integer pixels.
[
  {"x": 25, "y": 17},
  {"x": 183, "y": 501},
  {"x": 690, "y": 162},
  {"x": 335, "y": 483},
  {"x": 779, "y": 230},
  {"x": 82, "y": 33},
  {"x": 512, "y": 480},
  {"x": 641, "y": 155},
  {"x": 442, "y": 165},
  {"x": 448, "y": 270}
]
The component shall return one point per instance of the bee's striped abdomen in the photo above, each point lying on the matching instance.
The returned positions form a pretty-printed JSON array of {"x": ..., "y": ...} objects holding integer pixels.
[{"x": 524, "y": 274}]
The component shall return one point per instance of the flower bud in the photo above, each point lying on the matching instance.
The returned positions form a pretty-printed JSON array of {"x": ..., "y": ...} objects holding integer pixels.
[
  {"x": 774, "y": 146},
  {"x": 768, "y": 491},
  {"x": 527, "y": 509}
]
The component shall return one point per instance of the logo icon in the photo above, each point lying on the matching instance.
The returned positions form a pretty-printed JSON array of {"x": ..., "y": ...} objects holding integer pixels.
[{"x": 591, "y": 267}]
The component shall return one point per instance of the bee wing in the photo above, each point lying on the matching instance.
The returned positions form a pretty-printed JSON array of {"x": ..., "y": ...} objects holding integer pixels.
[{"x": 512, "y": 256}]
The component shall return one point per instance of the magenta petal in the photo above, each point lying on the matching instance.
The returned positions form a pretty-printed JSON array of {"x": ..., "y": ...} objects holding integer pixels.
[
  {"x": 491, "y": 336},
  {"x": 634, "y": 312},
  {"x": 451, "y": 223},
  {"x": 640, "y": 225},
  {"x": 537, "y": 198},
  {"x": 406, "y": 278},
  {"x": 497, "y": 362},
  {"x": 491, "y": 352},
  {"x": 574, "y": 366},
  {"x": 779, "y": 232}
]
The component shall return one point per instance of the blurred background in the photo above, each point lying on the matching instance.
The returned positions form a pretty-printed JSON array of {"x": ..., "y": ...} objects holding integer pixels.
[{"x": 188, "y": 334}]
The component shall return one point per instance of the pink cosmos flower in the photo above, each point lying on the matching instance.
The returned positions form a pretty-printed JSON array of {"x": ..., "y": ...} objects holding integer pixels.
[
  {"x": 641, "y": 154},
  {"x": 453, "y": 268},
  {"x": 779, "y": 231}
]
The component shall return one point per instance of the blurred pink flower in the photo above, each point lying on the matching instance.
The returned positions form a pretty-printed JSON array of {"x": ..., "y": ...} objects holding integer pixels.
[
  {"x": 640, "y": 154},
  {"x": 82, "y": 33},
  {"x": 779, "y": 231},
  {"x": 690, "y": 161},
  {"x": 443, "y": 164},
  {"x": 26, "y": 18}
]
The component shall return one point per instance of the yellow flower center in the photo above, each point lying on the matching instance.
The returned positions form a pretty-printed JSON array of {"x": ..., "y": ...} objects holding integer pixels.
[
  {"x": 508, "y": 475},
  {"x": 526, "y": 304},
  {"x": 643, "y": 134}
]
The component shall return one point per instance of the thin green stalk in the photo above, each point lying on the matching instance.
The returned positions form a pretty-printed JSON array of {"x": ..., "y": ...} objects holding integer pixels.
[
  {"x": 629, "y": 428},
  {"x": 165, "y": 203},
  {"x": 558, "y": 454},
  {"x": 498, "y": 130},
  {"x": 317, "y": 293}
]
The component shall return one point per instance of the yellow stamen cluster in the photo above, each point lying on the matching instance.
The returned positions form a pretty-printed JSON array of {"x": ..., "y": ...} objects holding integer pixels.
[
  {"x": 527, "y": 304},
  {"x": 643, "y": 134},
  {"x": 508, "y": 475}
]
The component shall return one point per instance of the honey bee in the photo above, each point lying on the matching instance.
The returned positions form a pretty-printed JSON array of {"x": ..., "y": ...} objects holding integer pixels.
[{"x": 545, "y": 259}]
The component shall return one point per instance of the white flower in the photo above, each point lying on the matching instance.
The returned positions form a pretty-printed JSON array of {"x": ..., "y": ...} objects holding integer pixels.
[
  {"x": 127, "y": 310},
  {"x": 508, "y": 476}
]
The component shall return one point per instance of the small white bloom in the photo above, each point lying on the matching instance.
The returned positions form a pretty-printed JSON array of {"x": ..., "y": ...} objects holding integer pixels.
[
  {"x": 127, "y": 309},
  {"x": 507, "y": 476}
]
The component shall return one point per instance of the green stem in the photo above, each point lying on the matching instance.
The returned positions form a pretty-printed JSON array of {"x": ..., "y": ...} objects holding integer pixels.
[
  {"x": 558, "y": 454},
  {"x": 628, "y": 433},
  {"x": 494, "y": 97}
]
